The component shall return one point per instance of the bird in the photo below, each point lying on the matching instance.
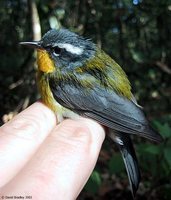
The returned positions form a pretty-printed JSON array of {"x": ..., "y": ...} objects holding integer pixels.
[{"x": 77, "y": 78}]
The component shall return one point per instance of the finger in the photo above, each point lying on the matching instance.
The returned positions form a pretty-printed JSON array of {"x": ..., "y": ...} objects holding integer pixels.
[
  {"x": 63, "y": 163},
  {"x": 21, "y": 137}
]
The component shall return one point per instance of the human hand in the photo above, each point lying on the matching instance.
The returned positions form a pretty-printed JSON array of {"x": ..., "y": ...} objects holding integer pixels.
[{"x": 39, "y": 160}]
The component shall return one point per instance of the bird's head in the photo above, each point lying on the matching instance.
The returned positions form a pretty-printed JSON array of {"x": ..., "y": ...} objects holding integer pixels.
[{"x": 62, "y": 49}]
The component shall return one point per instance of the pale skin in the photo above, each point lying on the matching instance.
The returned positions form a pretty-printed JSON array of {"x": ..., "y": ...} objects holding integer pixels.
[{"x": 41, "y": 159}]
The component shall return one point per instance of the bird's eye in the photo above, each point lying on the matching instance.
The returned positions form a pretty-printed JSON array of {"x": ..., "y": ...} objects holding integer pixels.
[{"x": 57, "y": 51}]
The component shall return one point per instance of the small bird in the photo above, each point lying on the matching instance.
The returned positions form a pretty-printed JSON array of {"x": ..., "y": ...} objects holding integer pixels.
[{"x": 76, "y": 78}]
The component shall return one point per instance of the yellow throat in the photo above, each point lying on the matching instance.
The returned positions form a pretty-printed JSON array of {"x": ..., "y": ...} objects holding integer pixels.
[{"x": 45, "y": 64}]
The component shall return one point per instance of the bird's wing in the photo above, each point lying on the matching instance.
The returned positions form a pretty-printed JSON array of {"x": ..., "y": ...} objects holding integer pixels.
[{"x": 104, "y": 106}]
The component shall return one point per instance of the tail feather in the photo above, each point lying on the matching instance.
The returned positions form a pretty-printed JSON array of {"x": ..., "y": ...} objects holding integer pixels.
[{"x": 130, "y": 160}]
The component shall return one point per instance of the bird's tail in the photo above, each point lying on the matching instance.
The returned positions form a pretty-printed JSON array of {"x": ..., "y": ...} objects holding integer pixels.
[{"x": 125, "y": 145}]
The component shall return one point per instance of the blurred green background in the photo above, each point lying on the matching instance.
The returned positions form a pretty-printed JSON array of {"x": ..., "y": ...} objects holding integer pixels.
[{"x": 137, "y": 34}]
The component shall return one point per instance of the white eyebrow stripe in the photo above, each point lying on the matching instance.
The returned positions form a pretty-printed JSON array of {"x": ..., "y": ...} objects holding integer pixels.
[{"x": 71, "y": 48}]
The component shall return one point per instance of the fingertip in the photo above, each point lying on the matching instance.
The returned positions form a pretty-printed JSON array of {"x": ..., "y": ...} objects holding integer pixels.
[
  {"x": 96, "y": 132},
  {"x": 86, "y": 132},
  {"x": 39, "y": 108},
  {"x": 80, "y": 127},
  {"x": 95, "y": 129}
]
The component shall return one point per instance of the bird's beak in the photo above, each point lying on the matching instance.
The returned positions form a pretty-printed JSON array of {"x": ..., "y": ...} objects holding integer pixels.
[{"x": 35, "y": 44}]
